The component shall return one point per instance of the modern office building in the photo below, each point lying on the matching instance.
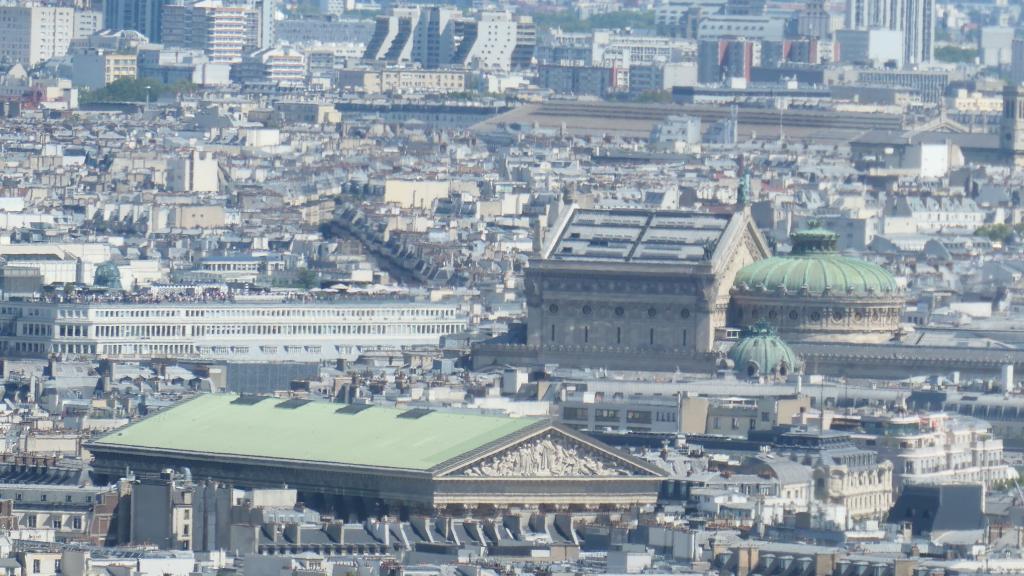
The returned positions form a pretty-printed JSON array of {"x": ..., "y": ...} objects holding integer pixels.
[
  {"x": 223, "y": 31},
  {"x": 725, "y": 59},
  {"x": 265, "y": 10},
  {"x": 87, "y": 23},
  {"x": 222, "y": 330},
  {"x": 280, "y": 66},
  {"x": 140, "y": 15},
  {"x": 485, "y": 42},
  {"x": 876, "y": 47},
  {"x": 578, "y": 80},
  {"x": 405, "y": 81},
  {"x": 1012, "y": 124},
  {"x": 434, "y": 36},
  {"x": 1017, "y": 61},
  {"x": 751, "y": 27},
  {"x": 929, "y": 85},
  {"x": 335, "y": 8},
  {"x": 919, "y": 31},
  {"x": 995, "y": 45},
  {"x": 915, "y": 19},
  {"x": 875, "y": 14},
  {"x": 33, "y": 34}
]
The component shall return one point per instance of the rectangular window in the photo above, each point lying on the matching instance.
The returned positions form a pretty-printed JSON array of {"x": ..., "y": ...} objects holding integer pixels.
[
  {"x": 638, "y": 416},
  {"x": 604, "y": 415},
  {"x": 572, "y": 413}
]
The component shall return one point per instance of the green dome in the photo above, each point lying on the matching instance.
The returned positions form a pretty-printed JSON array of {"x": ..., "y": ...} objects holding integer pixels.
[
  {"x": 760, "y": 352},
  {"x": 814, "y": 267}
]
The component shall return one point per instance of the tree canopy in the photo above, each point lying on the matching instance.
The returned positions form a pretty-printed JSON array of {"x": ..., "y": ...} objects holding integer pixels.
[
  {"x": 134, "y": 90},
  {"x": 999, "y": 232},
  {"x": 955, "y": 54},
  {"x": 569, "y": 22}
]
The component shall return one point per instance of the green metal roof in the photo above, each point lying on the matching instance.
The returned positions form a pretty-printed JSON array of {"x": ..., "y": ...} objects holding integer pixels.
[
  {"x": 813, "y": 266},
  {"x": 816, "y": 272},
  {"x": 315, "y": 431},
  {"x": 759, "y": 348}
]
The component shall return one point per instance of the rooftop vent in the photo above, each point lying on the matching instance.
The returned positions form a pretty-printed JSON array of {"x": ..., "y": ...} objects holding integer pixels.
[
  {"x": 352, "y": 409},
  {"x": 249, "y": 399},
  {"x": 415, "y": 413}
]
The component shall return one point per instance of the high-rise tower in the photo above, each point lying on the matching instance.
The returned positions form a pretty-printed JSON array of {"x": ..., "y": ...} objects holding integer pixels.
[{"x": 1011, "y": 138}]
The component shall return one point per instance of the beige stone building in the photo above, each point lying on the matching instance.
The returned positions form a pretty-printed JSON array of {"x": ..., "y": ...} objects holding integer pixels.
[
  {"x": 198, "y": 216},
  {"x": 632, "y": 289},
  {"x": 814, "y": 293},
  {"x": 415, "y": 193},
  {"x": 405, "y": 81},
  {"x": 844, "y": 474}
]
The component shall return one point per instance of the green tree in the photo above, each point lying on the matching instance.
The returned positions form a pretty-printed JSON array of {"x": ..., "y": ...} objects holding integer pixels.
[
  {"x": 307, "y": 278},
  {"x": 569, "y": 22},
  {"x": 134, "y": 90},
  {"x": 956, "y": 55},
  {"x": 655, "y": 97},
  {"x": 995, "y": 232}
]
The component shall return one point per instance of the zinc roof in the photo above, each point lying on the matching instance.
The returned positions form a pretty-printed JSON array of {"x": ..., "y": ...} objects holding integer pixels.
[{"x": 274, "y": 428}]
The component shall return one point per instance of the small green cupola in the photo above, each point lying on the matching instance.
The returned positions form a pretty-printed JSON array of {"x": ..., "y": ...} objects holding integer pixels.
[{"x": 761, "y": 353}]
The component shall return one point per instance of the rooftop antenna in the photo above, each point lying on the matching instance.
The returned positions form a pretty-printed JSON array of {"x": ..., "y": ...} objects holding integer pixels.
[
  {"x": 782, "y": 134},
  {"x": 821, "y": 406}
]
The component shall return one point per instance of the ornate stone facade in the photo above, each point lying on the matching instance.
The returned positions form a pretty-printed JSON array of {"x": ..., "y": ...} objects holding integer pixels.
[
  {"x": 825, "y": 318},
  {"x": 814, "y": 294},
  {"x": 866, "y": 494},
  {"x": 623, "y": 287},
  {"x": 547, "y": 456},
  {"x": 843, "y": 474}
]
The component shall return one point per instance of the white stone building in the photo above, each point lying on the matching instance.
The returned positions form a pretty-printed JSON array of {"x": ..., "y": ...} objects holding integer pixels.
[
  {"x": 936, "y": 449},
  {"x": 282, "y": 331}
]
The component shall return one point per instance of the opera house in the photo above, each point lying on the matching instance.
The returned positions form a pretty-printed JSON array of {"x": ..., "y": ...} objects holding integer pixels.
[{"x": 669, "y": 290}]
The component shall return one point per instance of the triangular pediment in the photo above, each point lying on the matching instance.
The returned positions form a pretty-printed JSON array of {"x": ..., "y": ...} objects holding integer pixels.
[{"x": 552, "y": 453}]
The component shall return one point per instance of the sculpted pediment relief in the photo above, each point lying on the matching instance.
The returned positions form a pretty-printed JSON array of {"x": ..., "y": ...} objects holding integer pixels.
[{"x": 550, "y": 455}]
